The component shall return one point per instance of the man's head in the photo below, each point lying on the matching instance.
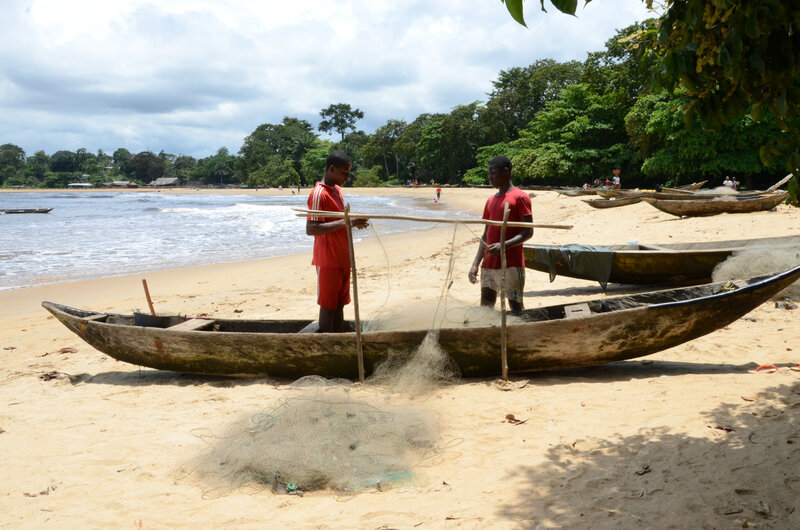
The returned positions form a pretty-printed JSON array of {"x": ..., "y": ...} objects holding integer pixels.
[
  {"x": 337, "y": 168},
  {"x": 499, "y": 171}
]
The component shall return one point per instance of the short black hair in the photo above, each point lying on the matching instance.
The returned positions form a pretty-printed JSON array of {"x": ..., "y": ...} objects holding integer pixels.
[
  {"x": 337, "y": 159},
  {"x": 500, "y": 162}
]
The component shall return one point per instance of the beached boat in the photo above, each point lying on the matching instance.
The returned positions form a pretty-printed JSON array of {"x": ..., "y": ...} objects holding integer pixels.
[
  {"x": 668, "y": 264},
  {"x": 27, "y": 210},
  {"x": 576, "y": 192},
  {"x": 616, "y": 202},
  {"x": 718, "y": 205},
  {"x": 562, "y": 336}
]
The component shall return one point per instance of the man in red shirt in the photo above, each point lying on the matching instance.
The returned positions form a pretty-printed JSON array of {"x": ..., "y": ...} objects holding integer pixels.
[
  {"x": 331, "y": 252},
  {"x": 489, "y": 250}
]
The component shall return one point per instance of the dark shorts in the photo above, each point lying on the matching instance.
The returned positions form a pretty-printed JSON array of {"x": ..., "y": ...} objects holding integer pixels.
[{"x": 333, "y": 287}]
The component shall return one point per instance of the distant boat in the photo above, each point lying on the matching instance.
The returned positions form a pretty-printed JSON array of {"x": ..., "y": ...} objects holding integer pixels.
[
  {"x": 27, "y": 210},
  {"x": 668, "y": 264},
  {"x": 717, "y": 205},
  {"x": 613, "y": 203}
]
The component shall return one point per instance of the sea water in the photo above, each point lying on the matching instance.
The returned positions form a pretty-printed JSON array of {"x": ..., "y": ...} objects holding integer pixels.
[{"x": 98, "y": 234}]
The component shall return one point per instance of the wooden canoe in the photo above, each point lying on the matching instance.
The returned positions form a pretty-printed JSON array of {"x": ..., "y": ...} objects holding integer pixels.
[
  {"x": 715, "y": 206},
  {"x": 597, "y": 332},
  {"x": 614, "y": 203},
  {"x": 668, "y": 264},
  {"x": 27, "y": 210}
]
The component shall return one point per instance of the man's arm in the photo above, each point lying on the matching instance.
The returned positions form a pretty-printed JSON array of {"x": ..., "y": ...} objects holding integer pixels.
[
  {"x": 523, "y": 236},
  {"x": 473, "y": 271},
  {"x": 320, "y": 228}
]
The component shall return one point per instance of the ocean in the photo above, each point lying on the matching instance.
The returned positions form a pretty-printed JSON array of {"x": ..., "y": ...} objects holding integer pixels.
[{"x": 98, "y": 234}]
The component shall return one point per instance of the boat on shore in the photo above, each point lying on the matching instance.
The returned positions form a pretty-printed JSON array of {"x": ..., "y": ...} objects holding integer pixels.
[
  {"x": 26, "y": 210},
  {"x": 667, "y": 264},
  {"x": 586, "y": 334},
  {"x": 717, "y": 205},
  {"x": 615, "y": 202}
]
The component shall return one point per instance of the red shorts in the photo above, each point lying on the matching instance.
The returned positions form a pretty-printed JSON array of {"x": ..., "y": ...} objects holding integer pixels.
[{"x": 333, "y": 287}]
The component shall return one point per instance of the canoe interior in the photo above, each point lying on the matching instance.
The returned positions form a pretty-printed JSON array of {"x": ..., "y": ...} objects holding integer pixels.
[{"x": 541, "y": 314}]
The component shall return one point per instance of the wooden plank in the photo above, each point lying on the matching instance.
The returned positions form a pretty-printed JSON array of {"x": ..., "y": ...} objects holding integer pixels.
[
  {"x": 577, "y": 310},
  {"x": 192, "y": 324},
  {"x": 99, "y": 317}
]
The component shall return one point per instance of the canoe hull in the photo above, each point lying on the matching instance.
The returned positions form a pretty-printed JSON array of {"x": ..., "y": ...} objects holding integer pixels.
[
  {"x": 635, "y": 326},
  {"x": 668, "y": 264},
  {"x": 707, "y": 207}
]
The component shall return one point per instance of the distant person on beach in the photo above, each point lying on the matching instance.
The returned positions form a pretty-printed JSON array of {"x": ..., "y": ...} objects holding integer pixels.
[
  {"x": 728, "y": 183},
  {"x": 438, "y": 194},
  {"x": 331, "y": 252},
  {"x": 489, "y": 248},
  {"x": 616, "y": 182}
]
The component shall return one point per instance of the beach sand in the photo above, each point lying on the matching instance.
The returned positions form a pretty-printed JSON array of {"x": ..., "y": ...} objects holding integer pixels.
[{"x": 686, "y": 438}]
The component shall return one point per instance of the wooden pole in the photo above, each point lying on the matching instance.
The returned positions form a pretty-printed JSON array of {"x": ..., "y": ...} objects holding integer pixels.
[
  {"x": 503, "y": 339},
  {"x": 340, "y": 215},
  {"x": 147, "y": 295},
  {"x": 359, "y": 345}
]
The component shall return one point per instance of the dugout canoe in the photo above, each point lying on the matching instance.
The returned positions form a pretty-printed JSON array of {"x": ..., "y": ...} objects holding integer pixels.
[
  {"x": 667, "y": 264},
  {"x": 616, "y": 202},
  {"x": 718, "y": 205},
  {"x": 26, "y": 210},
  {"x": 562, "y": 336}
]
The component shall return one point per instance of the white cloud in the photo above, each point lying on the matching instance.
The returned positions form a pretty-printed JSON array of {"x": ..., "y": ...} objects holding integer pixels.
[{"x": 191, "y": 76}]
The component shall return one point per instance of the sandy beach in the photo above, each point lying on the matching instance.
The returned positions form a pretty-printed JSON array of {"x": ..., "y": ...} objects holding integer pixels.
[{"x": 686, "y": 438}]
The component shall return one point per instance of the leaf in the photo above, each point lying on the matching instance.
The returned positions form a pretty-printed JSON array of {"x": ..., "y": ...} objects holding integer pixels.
[
  {"x": 515, "y": 9},
  {"x": 566, "y": 6}
]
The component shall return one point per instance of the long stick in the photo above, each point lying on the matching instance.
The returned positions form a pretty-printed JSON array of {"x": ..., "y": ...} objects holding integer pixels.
[
  {"x": 340, "y": 215},
  {"x": 147, "y": 295},
  {"x": 780, "y": 183},
  {"x": 359, "y": 346},
  {"x": 503, "y": 340}
]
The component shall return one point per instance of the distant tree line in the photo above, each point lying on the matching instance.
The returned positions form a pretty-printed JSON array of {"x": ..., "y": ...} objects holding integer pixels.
[{"x": 560, "y": 123}]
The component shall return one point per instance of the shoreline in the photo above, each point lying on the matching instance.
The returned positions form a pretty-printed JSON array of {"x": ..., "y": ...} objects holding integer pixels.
[{"x": 690, "y": 435}]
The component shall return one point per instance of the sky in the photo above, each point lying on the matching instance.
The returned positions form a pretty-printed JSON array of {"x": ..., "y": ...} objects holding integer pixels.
[{"x": 191, "y": 76}]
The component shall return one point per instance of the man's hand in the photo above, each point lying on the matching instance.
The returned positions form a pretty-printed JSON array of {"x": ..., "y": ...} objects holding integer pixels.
[
  {"x": 359, "y": 223},
  {"x": 493, "y": 249},
  {"x": 473, "y": 274}
]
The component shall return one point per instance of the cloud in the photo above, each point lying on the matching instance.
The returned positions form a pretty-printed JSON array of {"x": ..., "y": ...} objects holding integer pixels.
[{"x": 191, "y": 76}]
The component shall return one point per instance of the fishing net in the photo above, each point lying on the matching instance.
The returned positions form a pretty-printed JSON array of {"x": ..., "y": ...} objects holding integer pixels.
[
  {"x": 759, "y": 261},
  {"x": 325, "y": 437}
]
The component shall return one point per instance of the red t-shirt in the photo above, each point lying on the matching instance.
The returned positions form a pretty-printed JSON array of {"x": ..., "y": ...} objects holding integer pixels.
[
  {"x": 330, "y": 250},
  {"x": 519, "y": 206}
]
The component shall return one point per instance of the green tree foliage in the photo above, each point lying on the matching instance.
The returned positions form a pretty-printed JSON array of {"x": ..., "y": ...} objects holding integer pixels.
[
  {"x": 579, "y": 137},
  {"x": 276, "y": 172},
  {"x": 312, "y": 166},
  {"x": 656, "y": 127},
  {"x": 36, "y": 166},
  {"x": 122, "y": 160},
  {"x": 449, "y": 144},
  {"x": 12, "y": 160},
  {"x": 519, "y": 93},
  {"x": 219, "y": 169},
  {"x": 288, "y": 140},
  {"x": 63, "y": 162},
  {"x": 380, "y": 147},
  {"x": 339, "y": 117},
  {"x": 732, "y": 57},
  {"x": 146, "y": 167},
  {"x": 353, "y": 144},
  {"x": 366, "y": 178}
]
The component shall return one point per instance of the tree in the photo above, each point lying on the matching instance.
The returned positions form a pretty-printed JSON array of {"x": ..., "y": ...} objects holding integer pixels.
[
  {"x": 578, "y": 137},
  {"x": 63, "y": 162},
  {"x": 122, "y": 159},
  {"x": 36, "y": 166},
  {"x": 288, "y": 140},
  {"x": 146, "y": 166},
  {"x": 12, "y": 159},
  {"x": 732, "y": 57},
  {"x": 519, "y": 93},
  {"x": 449, "y": 144},
  {"x": 339, "y": 117},
  {"x": 381, "y": 144},
  {"x": 669, "y": 148}
]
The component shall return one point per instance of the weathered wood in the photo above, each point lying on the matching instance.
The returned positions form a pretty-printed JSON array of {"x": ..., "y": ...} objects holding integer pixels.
[
  {"x": 359, "y": 345},
  {"x": 503, "y": 334},
  {"x": 340, "y": 215},
  {"x": 98, "y": 317},
  {"x": 667, "y": 264},
  {"x": 715, "y": 206},
  {"x": 617, "y": 328},
  {"x": 192, "y": 324}
]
